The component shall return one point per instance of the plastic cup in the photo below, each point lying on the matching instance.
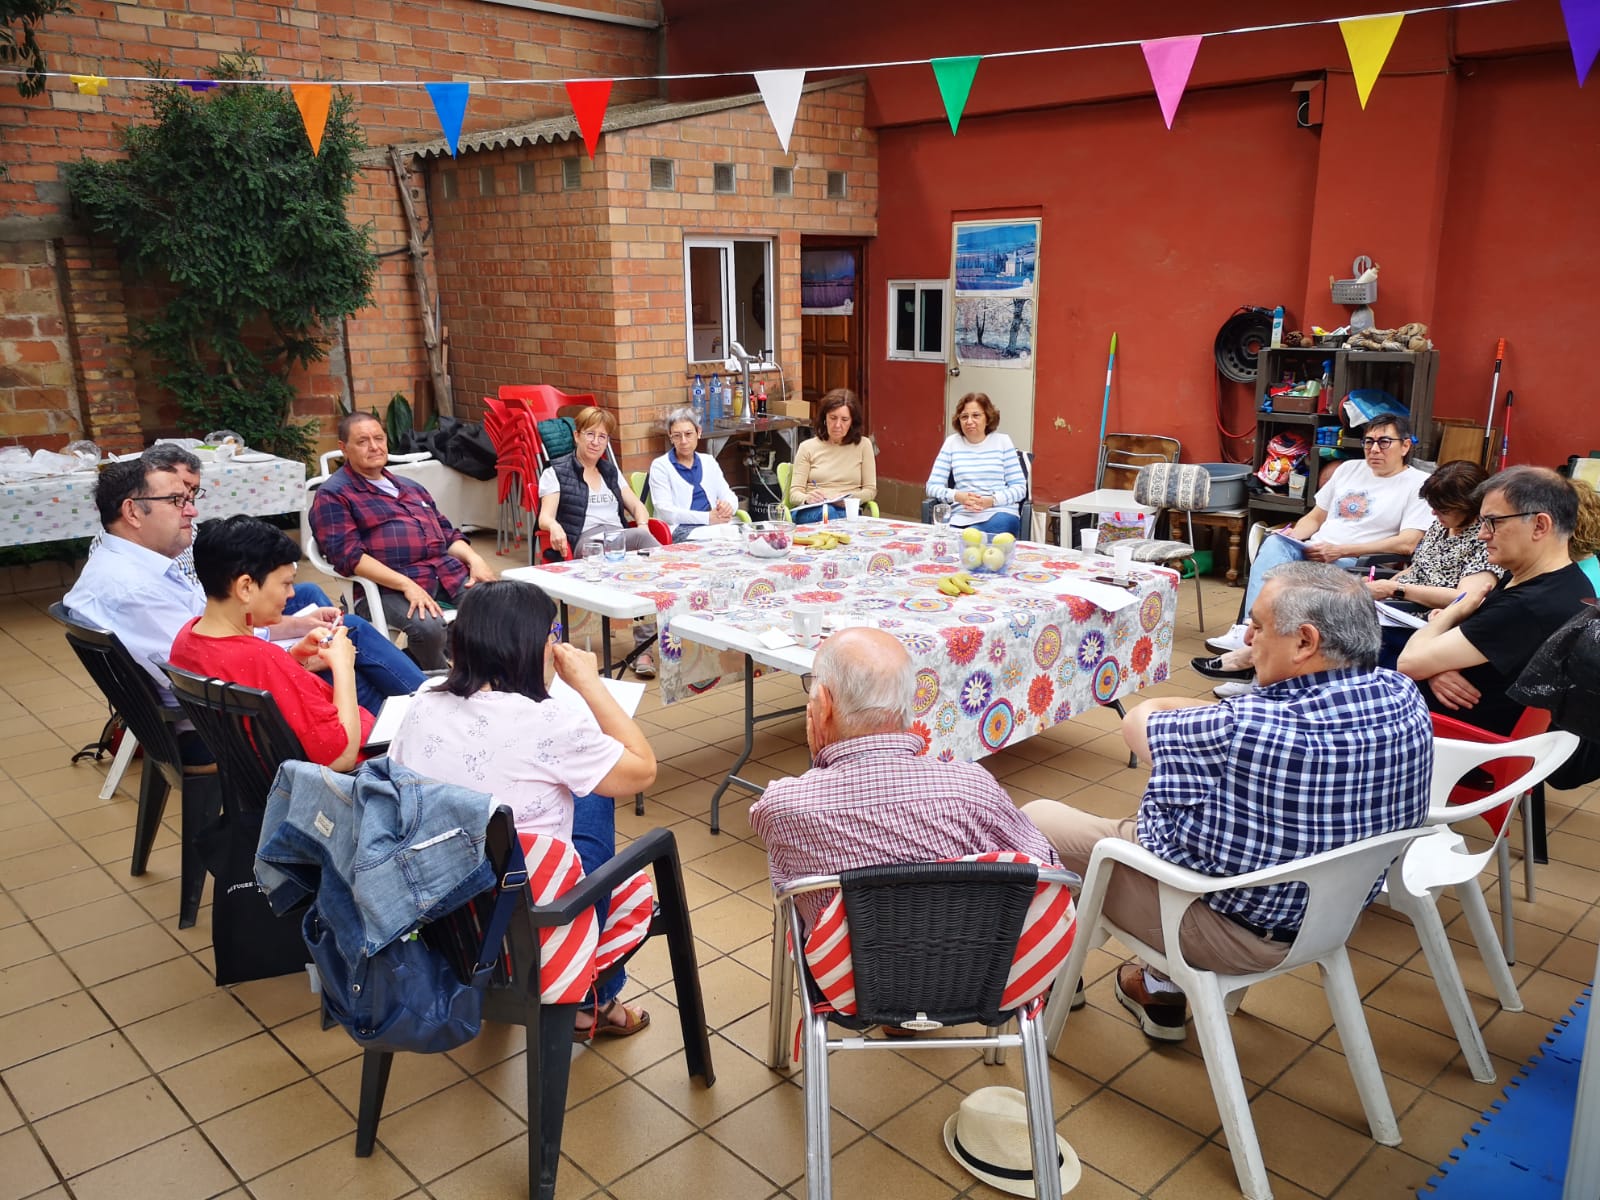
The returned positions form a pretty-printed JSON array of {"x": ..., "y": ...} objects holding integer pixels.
[
  {"x": 1089, "y": 539},
  {"x": 807, "y": 625},
  {"x": 1122, "y": 561},
  {"x": 852, "y": 507}
]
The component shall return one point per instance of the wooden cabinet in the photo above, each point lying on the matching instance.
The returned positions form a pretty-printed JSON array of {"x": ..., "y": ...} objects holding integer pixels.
[{"x": 1406, "y": 376}]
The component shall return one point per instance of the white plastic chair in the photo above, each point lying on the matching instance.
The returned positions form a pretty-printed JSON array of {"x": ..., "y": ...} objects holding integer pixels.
[
  {"x": 1338, "y": 882},
  {"x": 1443, "y": 860},
  {"x": 347, "y": 583}
]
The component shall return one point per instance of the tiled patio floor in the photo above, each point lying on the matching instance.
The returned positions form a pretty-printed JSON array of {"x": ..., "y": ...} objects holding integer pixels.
[{"x": 127, "y": 1073}]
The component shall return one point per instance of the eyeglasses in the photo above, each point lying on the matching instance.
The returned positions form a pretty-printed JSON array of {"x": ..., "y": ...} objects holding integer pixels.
[
  {"x": 1493, "y": 523},
  {"x": 805, "y": 683},
  {"x": 556, "y": 631},
  {"x": 684, "y": 435},
  {"x": 596, "y": 435},
  {"x": 178, "y": 500},
  {"x": 1382, "y": 443}
]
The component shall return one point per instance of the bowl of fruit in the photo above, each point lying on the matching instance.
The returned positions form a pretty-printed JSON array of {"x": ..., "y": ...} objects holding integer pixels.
[
  {"x": 989, "y": 555},
  {"x": 768, "y": 539}
]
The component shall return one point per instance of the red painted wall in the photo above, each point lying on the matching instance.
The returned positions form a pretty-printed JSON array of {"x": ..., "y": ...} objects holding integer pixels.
[{"x": 1156, "y": 237}]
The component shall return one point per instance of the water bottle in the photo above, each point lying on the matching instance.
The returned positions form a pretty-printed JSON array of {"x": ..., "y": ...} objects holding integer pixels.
[
  {"x": 699, "y": 397},
  {"x": 714, "y": 409}
]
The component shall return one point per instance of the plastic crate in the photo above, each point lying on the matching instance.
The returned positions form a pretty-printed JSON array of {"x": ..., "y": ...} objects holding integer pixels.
[{"x": 1348, "y": 291}]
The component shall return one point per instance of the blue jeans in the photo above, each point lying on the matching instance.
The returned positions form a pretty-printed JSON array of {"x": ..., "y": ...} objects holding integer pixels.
[
  {"x": 1274, "y": 552},
  {"x": 1000, "y": 522},
  {"x": 594, "y": 837},
  {"x": 813, "y": 512},
  {"x": 382, "y": 670}
]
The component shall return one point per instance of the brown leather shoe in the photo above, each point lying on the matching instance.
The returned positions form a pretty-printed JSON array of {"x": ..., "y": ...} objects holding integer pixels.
[{"x": 1160, "y": 1015}]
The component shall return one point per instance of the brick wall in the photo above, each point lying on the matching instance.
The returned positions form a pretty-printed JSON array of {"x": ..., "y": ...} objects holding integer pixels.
[
  {"x": 341, "y": 40},
  {"x": 584, "y": 289}
]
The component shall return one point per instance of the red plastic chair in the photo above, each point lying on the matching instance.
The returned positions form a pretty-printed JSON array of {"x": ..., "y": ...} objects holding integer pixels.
[
  {"x": 543, "y": 400},
  {"x": 1502, "y": 771}
]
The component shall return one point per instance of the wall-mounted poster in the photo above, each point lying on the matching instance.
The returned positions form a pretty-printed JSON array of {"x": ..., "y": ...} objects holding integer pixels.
[
  {"x": 827, "y": 282},
  {"x": 996, "y": 331},
  {"x": 997, "y": 259}
]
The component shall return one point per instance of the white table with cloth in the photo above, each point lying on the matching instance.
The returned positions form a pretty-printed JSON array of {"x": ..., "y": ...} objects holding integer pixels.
[
  {"x": 58, "y": 507},
  {"x": 1035, "y": 646}
]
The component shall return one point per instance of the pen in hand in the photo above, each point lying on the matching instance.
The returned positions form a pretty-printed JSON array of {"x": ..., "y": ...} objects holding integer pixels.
[{"x": 327, "y": 638}]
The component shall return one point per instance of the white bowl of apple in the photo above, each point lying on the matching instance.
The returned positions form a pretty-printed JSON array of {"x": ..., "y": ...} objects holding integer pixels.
[
  {"x": 768, "y": 539},
  {"x": 989, "y": 556}
]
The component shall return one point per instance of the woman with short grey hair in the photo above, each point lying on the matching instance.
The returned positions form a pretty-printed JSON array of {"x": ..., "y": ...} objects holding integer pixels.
[{"x": 688, "y": 489}]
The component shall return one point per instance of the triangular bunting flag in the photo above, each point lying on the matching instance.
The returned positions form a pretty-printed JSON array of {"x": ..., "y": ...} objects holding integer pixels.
[
  {"x": 780, "y": 91},
  {"x": 1170, "y": 60},
  {"x": 198, "y": 85},
  {"x": 90, "y": 85},
  {"x": 312, "y": 99},
  {"x": 1583, "y": 33},
  {"x": 589, "y": 98},
  {"x": 450, "y": 104},
  {"x": 955, "y": 84},
  {"x": 1368, "y": 41}
]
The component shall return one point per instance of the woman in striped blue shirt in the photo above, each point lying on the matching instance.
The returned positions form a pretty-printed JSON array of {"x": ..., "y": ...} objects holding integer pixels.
[{"x": 978, "y": 472}]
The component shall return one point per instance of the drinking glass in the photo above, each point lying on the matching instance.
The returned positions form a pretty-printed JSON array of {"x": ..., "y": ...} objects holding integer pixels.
[
  {"x": 722, "y": 588},
  {"x": 616, "y": 546},
  {"x": 592, "y": 549},
  {"x": 941, "y": 515}
]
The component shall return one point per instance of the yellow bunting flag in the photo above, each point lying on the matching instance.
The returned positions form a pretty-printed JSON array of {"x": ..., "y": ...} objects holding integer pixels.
[
  {"x": 312, "y": 99},
  {"x": 1368, "y": 41},
  {"x": 91, "y": 85}
]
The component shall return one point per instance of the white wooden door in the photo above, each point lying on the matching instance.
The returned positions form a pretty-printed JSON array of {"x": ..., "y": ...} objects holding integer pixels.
[{"x": 994, "y": 300}]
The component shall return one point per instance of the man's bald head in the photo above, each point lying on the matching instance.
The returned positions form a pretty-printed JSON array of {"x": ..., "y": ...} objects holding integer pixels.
[{"x": 869, "y": 681}]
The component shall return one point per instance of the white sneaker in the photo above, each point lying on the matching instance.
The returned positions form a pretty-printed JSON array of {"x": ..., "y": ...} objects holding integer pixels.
[
  {"x": 1232, "y": 640},
  {"x": 1226, "y": 691}
]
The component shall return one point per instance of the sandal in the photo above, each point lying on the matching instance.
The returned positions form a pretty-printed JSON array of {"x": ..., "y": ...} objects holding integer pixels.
[{"x": 604, "y": 1024}]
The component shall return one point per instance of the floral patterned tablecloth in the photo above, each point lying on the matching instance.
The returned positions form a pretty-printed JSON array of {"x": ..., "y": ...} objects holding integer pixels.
[
  {"x": 1028, "y": 651},
  {"x": 62, "y": 506}
]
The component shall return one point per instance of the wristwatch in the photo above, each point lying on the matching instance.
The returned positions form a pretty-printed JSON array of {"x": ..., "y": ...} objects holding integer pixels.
[{"x": 1399, "y": 591}]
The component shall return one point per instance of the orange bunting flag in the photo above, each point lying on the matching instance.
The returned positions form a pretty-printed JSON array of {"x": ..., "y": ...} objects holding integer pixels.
[
  {"x": 1368, "y": 41},
  {"x": 91, "y": 85},
  {"x": 312, "y": 99},
  {"x": 589, "y": 98}
]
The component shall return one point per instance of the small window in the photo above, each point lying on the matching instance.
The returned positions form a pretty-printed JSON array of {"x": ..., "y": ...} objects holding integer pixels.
[
  {"x": 485, "y": 181},
  {"x": 917, "y": 319},
  {"x": 835, "y": 185},
  {"x": 661, "y": 174},
  {"x": 447, "y": 185},
  {"x": 783, "y": 181},
  {"x": 572, "y": 173},
  {"x": 722, "y": 177},
  {"x": 527, "y": 177},
  {"x": 728, "y": 282}
]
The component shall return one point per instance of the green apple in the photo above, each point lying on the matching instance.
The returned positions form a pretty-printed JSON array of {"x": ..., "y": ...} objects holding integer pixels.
[
  {"x": 1004, "y": 539},
  {"x": 972, "y": 556},
  {"x": 972, "y": 537},
  {"x": 994, "y": 557}
]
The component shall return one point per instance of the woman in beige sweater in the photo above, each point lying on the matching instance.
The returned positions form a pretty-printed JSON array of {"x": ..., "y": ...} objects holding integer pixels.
[{"x": 839, "y": 464}]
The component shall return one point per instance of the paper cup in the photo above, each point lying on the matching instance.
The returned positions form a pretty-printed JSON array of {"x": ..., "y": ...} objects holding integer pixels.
[
  {"x": 1089, "y": 539},
  {"x": 807, "y": 625},
  {"x": 1122, "y": 560},
  {"x": 852, "y": 507}
]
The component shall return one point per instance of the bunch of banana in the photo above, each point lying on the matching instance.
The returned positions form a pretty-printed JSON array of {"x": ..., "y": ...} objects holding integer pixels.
[
  {"x": 823, "y": 539},
  {"x": 959, "y": 584}
]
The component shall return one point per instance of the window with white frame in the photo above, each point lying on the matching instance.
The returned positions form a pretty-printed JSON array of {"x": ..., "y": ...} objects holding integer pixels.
[
  {"x": 918, "y": 313},
  {"x": 728, "y": 285}
]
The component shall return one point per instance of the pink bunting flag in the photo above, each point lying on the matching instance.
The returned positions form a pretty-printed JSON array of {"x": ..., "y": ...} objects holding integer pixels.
[
  {"x": 1170, "y": 60},
  {"x": 589, "y": 99},
  {"x": 313, "y": 99},
  {"x": 1583, "y": 33}
]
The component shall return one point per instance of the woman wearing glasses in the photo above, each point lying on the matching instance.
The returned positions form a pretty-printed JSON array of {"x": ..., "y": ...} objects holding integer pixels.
[
  {"x": 554, "y": 760},
  {"x": 1371, "y": 505},
  {"x": 582, "y": 497},
  {"x": 688, "y": 489}
]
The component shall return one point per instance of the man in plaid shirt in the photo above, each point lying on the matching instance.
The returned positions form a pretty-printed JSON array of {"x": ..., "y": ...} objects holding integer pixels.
[
  {"x": 385, "y": 528},
  {"x": 1327, "y": 750},
  {"x": 872, "y": 796}
]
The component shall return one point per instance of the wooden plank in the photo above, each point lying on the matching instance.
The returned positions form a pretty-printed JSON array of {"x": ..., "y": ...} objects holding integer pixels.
[{"x": 438, "y": 354}]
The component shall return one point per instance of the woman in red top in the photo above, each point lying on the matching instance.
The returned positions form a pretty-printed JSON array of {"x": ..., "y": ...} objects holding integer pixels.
[{"x": 247, "y": 569}]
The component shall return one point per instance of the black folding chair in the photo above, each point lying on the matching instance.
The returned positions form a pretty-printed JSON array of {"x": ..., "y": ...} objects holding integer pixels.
[
  {"x": 132, "y": 692},
  {"x": 513, "y": 997}
]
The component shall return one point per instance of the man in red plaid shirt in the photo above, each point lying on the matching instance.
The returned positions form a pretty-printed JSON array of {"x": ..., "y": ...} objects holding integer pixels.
[
  {"x": 381, "y": 527},
  {"x": 873, "y": 796}
]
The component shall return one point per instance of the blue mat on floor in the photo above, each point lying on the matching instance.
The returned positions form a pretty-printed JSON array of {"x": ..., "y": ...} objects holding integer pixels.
[{"x": 1519, "y": 1147}]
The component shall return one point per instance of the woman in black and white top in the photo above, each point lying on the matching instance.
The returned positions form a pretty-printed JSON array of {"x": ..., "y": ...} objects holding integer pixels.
[{"x": 1450, "y": 560}]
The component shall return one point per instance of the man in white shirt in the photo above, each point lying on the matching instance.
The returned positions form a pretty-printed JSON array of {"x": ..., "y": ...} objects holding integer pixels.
[{"x": 1371, "y": 505}]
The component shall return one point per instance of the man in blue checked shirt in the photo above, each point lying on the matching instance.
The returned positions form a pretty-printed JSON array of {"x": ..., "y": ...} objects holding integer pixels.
[{"x": 1328, "y": 749}]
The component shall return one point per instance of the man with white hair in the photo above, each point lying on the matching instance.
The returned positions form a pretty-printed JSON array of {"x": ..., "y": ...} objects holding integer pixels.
[{"x": 873, "y": 796}]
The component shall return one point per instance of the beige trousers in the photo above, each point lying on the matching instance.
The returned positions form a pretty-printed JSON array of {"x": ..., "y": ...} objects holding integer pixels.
[{"x": 1210, "y": 940}]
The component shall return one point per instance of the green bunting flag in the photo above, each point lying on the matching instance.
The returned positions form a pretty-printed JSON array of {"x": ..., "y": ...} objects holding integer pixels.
[{"x": 955, "y": 83}]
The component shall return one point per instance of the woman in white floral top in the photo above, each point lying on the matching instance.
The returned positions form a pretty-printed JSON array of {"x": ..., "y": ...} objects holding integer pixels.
[{"x": 1450, "y": 560}]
